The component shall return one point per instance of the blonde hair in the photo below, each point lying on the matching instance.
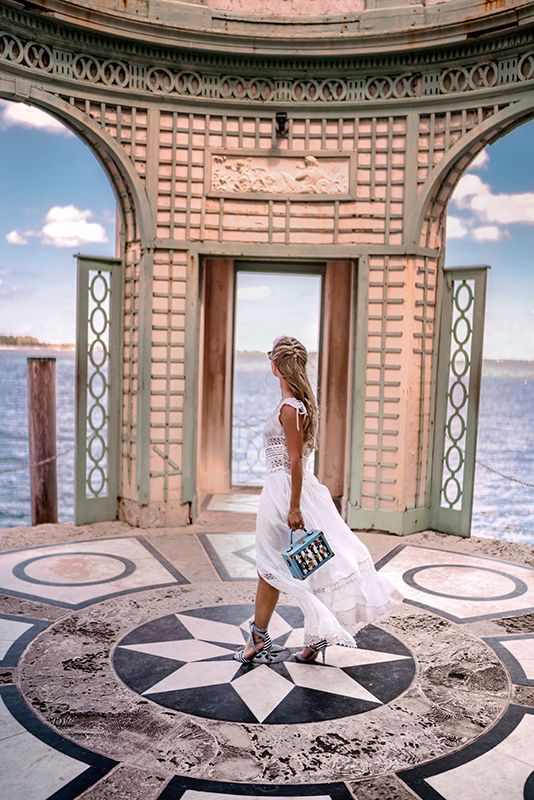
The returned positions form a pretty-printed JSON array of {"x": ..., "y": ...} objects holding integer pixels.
[{"x": 290, "y": 358}]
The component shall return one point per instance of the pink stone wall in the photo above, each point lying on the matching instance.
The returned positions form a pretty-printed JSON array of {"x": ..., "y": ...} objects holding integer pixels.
[
  {"x": 288, "y": 8},
  {"x": 374, "y": 214},
  {"x": 173, "y": 153}
]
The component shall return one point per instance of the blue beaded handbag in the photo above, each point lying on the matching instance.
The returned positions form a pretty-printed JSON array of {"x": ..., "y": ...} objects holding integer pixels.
[{"x": 308, "y": 553}]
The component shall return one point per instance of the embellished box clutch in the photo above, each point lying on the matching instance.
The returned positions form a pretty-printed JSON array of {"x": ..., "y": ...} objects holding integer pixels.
[{"x": 307, "y": 554}]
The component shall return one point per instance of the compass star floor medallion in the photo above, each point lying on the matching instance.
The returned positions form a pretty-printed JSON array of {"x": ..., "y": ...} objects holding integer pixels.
[{"x": 184, "y": 661}]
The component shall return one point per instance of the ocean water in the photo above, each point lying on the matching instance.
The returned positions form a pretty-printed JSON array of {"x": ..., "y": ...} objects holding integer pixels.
[{"x": 502, "y": 509}]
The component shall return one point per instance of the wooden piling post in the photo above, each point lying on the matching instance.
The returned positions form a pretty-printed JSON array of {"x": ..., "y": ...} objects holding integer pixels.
[{"x": 42, "y": 435}]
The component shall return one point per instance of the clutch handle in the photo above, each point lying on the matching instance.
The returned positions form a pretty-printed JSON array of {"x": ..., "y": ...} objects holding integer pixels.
[{"x": 291, "y": 532}]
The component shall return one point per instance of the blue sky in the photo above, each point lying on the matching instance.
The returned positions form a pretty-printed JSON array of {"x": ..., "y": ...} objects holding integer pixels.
[{"x": 56, "y": 200}]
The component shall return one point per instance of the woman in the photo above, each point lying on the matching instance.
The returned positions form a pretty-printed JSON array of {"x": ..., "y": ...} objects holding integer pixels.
[{"x": 346, "y": 592}]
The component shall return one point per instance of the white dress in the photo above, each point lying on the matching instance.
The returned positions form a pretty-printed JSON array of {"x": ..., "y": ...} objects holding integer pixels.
[{"x": 345, "y": 593}]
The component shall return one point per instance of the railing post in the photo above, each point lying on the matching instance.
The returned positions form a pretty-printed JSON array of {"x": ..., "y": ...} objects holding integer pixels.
[{"x": 42, "y": 436}]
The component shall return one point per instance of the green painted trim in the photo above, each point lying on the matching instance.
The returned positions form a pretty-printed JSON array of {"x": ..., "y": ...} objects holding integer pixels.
[
  {"x": 80, "y": 435},
  {"x": 442, "y": 388},
  {"x": 513, "y": 113},
  {"x": 434, "y": 376},
  {"x": 295, "y": 252},
  {"x": 382, "y": 42},
  {"x": 399, "y": 522},
  {"x": 99, "y": 509},
  {"x": 144, "y": 366},
  {"x": 458, "y": 521},
  {"x": 103, "y": 146},
  {"x": 288, "y": 268},
  {"x": 191, "y": 377},
  {"x": 359, "y": 362},
  {"x": 411, "y": 234}
]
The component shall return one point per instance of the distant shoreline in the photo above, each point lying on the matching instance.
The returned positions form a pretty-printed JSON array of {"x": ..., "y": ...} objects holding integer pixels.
[
  {"x": 37, "y": 347},
  {"x": 516, "y": 362}
]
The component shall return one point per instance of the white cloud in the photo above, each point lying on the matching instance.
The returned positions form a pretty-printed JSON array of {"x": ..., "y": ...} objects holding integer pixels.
[
  {"x": 253, "y": 292},
  {"x": 65, "y": 226},
  {"x": 473, "y": 194},
  {"x": 21, "y": 114},
  {"x": 481, "y": 160},
  {"x": 489, "y": 233},
  {"x": 456, "y": 229},
  {"x": 14, "y": 237},
  {"x": 68, "y": 226}
]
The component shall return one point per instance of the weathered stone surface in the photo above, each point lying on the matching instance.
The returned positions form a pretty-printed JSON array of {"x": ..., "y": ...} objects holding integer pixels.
[
  {"x": 524, "y": 695},
  {"x": 67, "y": 676},
  {"x": 30, "y": 608},
  {"x": 387, "y": 787},
  {"x": 6, "y": 675},
  {"x": 521, "y": 624},
  {"x": 128, "y": 782}
]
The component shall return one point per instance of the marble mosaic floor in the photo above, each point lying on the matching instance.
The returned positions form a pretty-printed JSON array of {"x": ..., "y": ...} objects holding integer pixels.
[{"x": 117, "y": 678}]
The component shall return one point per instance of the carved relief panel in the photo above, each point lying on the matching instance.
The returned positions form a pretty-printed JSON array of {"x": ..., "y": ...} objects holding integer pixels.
[{"x": 311, "y": 177}]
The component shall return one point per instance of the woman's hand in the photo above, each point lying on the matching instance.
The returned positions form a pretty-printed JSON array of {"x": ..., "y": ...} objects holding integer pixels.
[{"x": 295, "y": 519}]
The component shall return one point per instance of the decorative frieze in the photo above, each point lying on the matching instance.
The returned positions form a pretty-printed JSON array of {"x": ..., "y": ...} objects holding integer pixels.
[
  {"x": 165, "y": 81},
  {"x": 273, "y": 175}
]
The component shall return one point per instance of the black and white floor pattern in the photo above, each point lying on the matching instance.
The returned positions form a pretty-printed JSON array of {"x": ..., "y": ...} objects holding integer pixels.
[
  {"x": 35, "y": 762},
  {"x": 497, "y": 766},
  {"x": 190, "y": 789},
  {"x": 79, "y": 574},
  {"x": 185, "y": 662}
]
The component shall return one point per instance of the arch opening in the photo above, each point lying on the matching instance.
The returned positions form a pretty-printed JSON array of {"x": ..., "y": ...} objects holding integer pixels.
[{"x": 130, "y": 206}]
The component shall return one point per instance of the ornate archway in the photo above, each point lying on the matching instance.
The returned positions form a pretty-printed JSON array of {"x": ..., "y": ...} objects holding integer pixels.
[{"x": 394, "y": 102}]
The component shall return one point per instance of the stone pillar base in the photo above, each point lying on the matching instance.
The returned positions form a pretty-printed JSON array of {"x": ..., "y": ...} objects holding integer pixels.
[
  {"x": 154, "y": 515},
  {"x": 399, "y": 522}
]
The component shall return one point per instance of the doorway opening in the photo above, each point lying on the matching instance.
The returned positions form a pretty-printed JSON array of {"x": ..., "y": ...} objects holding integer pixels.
[
  {"x": 245, "y": 305},
  {"x": 268, "y": 304}
]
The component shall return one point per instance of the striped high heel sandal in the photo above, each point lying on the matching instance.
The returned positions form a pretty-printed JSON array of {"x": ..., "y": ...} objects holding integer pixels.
[
  {"x": 319, "y": 647},
  {"x": 260, "y": 653}
]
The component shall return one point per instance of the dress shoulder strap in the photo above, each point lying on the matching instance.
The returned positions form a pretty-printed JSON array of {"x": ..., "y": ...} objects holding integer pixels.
[{"x": 295, "y": 403}]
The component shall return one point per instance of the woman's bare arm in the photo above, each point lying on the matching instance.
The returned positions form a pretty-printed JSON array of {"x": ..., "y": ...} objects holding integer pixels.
[{"x": 295, "y": 442}]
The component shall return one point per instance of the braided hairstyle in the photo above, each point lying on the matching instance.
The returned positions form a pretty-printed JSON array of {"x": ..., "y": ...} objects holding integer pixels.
[{"x": 290, "y": 358}]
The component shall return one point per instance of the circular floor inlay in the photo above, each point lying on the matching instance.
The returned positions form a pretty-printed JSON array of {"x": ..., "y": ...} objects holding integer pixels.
[
  {"x": 474, "y": 583},
  {"x": 74, "y": 569},
  {"x": 184, "y": 661}
]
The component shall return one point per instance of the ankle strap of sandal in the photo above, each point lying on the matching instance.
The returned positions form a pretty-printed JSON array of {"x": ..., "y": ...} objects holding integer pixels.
[{"x": 256, "y": 629}]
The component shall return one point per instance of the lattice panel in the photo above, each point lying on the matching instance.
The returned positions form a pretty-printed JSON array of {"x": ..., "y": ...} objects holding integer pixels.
[
  {"x": 463, "y": 297},
  {"x": 373, "y": 216},
  {"x": 424, "y": 338},
  {"x": 457, "y": 398},
  {"x": 97, "y": 361},
  {"x": 126, "y": 124},
  {"x": 167, "y": 379},
  {"x": 98, "y": 384},
  {"x": 432, "y": 229},
  {"x": 438, "y": 132},
  {"x": 383, "y": 382}
]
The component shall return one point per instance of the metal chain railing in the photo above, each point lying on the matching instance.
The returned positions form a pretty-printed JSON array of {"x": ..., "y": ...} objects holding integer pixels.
[
  {"x": 5, "y": 470},
  {"x": 503, "y": 475}
]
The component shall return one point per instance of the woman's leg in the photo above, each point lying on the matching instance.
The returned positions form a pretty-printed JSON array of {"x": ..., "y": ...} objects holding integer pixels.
[{"x": 266, "y": 600}]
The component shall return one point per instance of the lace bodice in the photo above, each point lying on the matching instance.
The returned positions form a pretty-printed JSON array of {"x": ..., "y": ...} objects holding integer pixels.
[{"x": 274, "y": 440}]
